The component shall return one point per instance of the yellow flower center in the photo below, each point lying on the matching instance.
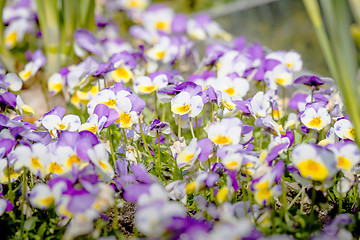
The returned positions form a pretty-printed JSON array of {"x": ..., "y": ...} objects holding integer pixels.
[
  {"x": 222, "y": 140},
  {"x": 57, "y": 87},
  {"x": 11, "y": 172},
  {"x": 344, "y": 163},
  {"x": 47, "y": 201},
  {"x": 55, "y": 168},
  {"x": 280, "y": 81},
  {"x": 61, "y": 126},
  {"x": 103, "y": 165},
  {"x": 122, "y": 73},
  {"x": 160, "y": 55},
  {"x": 161, "y": 25},
  {"x": 228, "y": 105},
  {"x": 190, "y": 187},
  {"x": 110, "y": 103},
  {"x": 133, "y": 4},
  {"x": 276, "y": 113},
  {"x": 289, "y": 65},
  {"x": 263, "y": 194},
  {"x": 24, "y": 75},
  {"x": 146, "y": 89},
  {"x": 183, "y": 109},
  {"x": 92, "y": 129},
  {"x": 316, "y": 122},
  {"x": 222, "y": 195},
  {"x": 231, "y": 165},
  {"x": 352, "y": 132},
  {"x": 230, "y": 91},
  {"x": 313, "y": 170},
  {"x": 189, "y": 157},
  {"x": 125, "y": 120},
  {"x": 73, "y": 159},
  {"x": 35, "y": 162},
  {"x": 10, "y": 40}
]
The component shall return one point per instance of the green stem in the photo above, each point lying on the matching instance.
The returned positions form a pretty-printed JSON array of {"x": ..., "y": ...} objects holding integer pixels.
[
  {"x": 156, "y": 107},
  {"x": 179, "y": 127},
  {"x": 116, "y": 216},
  {"x": 125, "y": 137},
  {"x": 10, "y": 191},
  {"x": 302, "y": 201},
  {"x": 191, "y": 128},
  {"x": 159, "y": 155},
  {"x": 284, "y": 199},
  {"x": 295, "y": 198},
  {"x": 312, "y": 211},
  {"x": 197, "y": 128},
  {"x": 244, "y": 199},
  {"x": 111, "y": 146},
  {"x": 164, "y": 113},
  {"x": 143, "y": 138},
  {"x": 211, "y": 111},
  {"x": 23, "y": 192}
]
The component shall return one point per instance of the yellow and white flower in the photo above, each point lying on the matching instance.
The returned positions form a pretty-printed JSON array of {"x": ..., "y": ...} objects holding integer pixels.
[
  {"x": 100, "y": 158},
  {"x": 36, "y": 159},
  {"x": 347, "y": 155},
  {"x": 183, "y": 104},
  {"x": 315, "y": 119},
  {"x": 41, "y": 196},
  {"x": 189, "y": 154},
  {"x": 55, "y": 83},
  {"x": 226, "y": 132},
  {"x": 313, "y": 162},
  {"x": 344, "y": 129},
  {"x": 145, "y": 85}
]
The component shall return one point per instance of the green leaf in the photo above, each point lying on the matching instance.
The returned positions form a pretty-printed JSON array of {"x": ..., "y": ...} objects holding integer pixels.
[
  {"x": 41, "y": 230},
  {"x": 30, "y": 223}
]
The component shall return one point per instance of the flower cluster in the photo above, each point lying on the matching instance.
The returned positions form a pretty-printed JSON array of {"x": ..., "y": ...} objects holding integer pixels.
[{"x": 218, "y": 145}]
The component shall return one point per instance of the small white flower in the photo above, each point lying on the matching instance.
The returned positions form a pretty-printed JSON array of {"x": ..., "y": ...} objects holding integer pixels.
[
  {"x": 232, "y": 161},
  {"x": 226, "y": 132},
  {"x": 41, "y": 196},
  {"x": 144, "y": 84},
  {"x": 344, "y": 129},
  {"x": 281, "y": 75},
  {"x": 259, "y": 105},
  {"x": 100, "y": 157},
  {"x": 188, "y": 155},
  {"x": 35, "y": 159},
  {"x": 183, "y": 104},
  {"x": 55, "y": 83},
  {"x": 315, "y": 119},
  {"x": 53, "y": 123}
]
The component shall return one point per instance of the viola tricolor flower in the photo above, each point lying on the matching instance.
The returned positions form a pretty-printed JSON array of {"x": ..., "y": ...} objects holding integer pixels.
[
  {"x": 146, "y": 85},
  {"x": 54, "y": 122},
  {"x": 221, "y": 177},
  {"x": 314, "y": 163},
  {"x": 37, "y": 60},
  {"x": 189, "y": 154},
  {"x": 344, "y": 129},
  {"x": 315, "y": 119},
  {"x": 34, "y": 158},
  {"x": 184, "y": 103},
  {"x": 347, "y": 154},
  {"x": 226, "y": 132}
]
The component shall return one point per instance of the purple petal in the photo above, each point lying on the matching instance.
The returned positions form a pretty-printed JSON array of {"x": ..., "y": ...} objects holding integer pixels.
[
  {"x": 206, "y": 149},
  {"x": 86, "y": 40}
]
